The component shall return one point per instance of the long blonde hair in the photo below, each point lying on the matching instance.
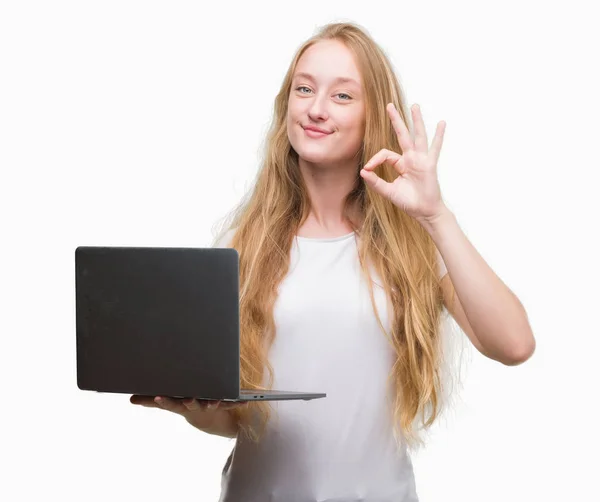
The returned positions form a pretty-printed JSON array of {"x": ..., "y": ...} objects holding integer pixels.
[{"x": 397, "y": 246}]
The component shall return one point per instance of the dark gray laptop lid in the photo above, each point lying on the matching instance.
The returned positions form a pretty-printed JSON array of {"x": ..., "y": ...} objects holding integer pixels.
[{"x": 158, "y": 321}]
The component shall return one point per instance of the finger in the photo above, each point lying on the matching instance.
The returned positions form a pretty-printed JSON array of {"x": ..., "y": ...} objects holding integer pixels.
[
  {"x": 393, "y": 158},
  {"x": 207, "y": 404},
  {"x": 421, "y": 144},
  {"x": 194, "y": 404},
  {"x": 438, "y": 139},
  {"x": 202, "y": 404},
  {"x": 170, "y": 404},
  {"x": 381, "y": 186},
  {"x": 147, "y": 401},
  {"x": 402, "y": 132}
]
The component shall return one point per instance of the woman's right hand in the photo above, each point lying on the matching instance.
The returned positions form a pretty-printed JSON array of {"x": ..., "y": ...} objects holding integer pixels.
[{"x": 199, "y": 413}]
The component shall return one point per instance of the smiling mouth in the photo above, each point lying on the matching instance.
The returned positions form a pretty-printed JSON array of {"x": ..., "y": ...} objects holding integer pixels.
[{"x": 311, "y": 133}]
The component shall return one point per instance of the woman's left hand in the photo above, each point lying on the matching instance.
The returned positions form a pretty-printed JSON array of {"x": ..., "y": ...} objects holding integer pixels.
[{"x": 416, "y": 190}]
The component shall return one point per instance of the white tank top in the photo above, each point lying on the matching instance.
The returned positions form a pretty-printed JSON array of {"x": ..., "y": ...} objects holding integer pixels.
[{"x": 341, "y": 447}]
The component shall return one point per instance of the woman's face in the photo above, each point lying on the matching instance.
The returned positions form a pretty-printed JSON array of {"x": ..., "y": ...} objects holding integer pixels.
[{"x": 326, "y": 95}]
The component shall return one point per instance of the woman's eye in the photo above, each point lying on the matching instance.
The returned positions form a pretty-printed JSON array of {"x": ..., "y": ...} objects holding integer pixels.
[{"x": 301, "y": 88}]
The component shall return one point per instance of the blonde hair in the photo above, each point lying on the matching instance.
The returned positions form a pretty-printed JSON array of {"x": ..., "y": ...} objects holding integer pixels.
[{"x": 397, "y": 246}]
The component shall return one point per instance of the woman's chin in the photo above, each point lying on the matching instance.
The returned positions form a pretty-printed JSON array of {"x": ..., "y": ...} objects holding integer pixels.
[{"x": 314, "y": 157}]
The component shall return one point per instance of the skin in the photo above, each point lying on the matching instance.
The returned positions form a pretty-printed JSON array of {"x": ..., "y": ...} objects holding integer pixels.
[
  {"x": 327, "y": 94},
  {"x": 320, "y": 98},
  {"x": 207, "y": 415},
  {"x": 489, "y": 313}
]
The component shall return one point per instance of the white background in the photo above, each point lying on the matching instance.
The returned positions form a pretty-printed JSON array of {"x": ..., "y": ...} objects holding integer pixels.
[{"x": 141, "y": 122}]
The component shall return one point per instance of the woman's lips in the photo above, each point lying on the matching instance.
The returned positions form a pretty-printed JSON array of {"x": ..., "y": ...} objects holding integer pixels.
[{"x": 311, "y": 133}]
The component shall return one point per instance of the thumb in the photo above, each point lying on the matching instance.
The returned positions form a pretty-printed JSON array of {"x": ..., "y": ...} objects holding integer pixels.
[{"x": 378, "y": 184}]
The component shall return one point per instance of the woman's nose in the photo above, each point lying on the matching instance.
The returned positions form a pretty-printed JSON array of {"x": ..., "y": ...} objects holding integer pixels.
[{"x": 317, "y": 110}]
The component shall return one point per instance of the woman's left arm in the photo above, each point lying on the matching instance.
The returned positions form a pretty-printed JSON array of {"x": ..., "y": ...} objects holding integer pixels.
[
  {"x": 490, "y": 314},
  {"x": 487, "y": 311}
]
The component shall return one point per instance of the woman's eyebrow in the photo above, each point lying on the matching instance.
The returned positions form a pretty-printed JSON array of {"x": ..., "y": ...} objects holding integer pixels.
[{"x": 342, "y": 80}]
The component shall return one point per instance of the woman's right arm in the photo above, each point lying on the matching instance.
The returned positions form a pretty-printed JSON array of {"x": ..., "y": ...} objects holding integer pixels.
[
  {"x": 222, "y": 424},
  {"x": 215, "y": 419}
]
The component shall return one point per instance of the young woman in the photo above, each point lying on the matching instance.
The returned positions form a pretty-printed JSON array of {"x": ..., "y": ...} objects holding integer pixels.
[{"x": 348, "y": 258}]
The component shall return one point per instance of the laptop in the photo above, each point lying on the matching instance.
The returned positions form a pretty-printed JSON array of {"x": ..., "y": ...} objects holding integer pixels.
[{"x": 160, "y": 321}]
